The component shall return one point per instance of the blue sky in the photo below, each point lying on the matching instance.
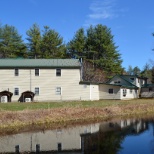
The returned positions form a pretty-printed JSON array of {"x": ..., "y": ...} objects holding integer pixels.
[{"x": 131, "y": 22}]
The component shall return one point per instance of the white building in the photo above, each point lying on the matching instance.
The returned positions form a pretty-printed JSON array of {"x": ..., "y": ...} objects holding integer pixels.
[
  {"x": 122, "y": 87},
  {"x": 44, "y": 80}
]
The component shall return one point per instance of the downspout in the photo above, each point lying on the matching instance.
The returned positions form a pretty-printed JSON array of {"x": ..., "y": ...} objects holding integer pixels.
[
  {"x": 90, "y": 91},
  {"x": 81, "y": 70},
  {"x": 30, "y": 81}
]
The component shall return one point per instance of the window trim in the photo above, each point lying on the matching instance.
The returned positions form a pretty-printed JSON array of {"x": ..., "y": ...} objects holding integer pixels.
[
  {"x": 58, "y": 92},
  {"x": 37, "y": 73},
  {"x": 59, "y": 146},
  {"x": 124, "y": 91},
  {"x": 16, "y": 72},
  {"x": 132, "y": 79},
  {"x": 58, "y": 73},
  {"x": 16, "y": 94},
  {"x": 37, "y": 94},
  {"x": 111, "y": 91}
]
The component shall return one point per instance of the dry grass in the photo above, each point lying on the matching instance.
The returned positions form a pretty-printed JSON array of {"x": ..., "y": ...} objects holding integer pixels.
[{"x": 16, "y": 121}]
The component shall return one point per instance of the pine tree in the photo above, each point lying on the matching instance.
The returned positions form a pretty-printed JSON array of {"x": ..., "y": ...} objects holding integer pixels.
[
  {"x": 52, "y": 45},
  {"x": 105, "y": 54},
  {"x": 76, "y": 47},
  {"x": 11, "y": 43},
  {"x": 34, "y": 41}
]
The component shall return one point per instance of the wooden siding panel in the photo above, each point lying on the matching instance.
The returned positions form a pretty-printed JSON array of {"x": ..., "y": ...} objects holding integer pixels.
[
  {"x": 47, "y": 83},
  {"x": 94, "y": 92},
  {"x": 129, "y": 95},
  {"x": 104, "y": 92}
]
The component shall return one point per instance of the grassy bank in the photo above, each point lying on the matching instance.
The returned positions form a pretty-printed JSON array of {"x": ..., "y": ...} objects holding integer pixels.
[{"x": 16, "y": 117}]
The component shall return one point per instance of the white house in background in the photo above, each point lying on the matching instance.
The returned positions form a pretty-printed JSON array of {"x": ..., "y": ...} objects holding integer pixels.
[
  {"x": 122, "y": 87},
  {"x": 26, "y": 80}
]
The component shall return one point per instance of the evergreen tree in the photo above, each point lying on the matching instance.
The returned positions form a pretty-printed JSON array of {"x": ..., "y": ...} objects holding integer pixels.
[
  {"x": 52, "y": 45},
  {"x": 136, "y": 71},
  {"x": 105, "y": 53},
  {"x": 98, "y": 47},
  {"x": 34, "y": 41},
  {"x": 130, "y": 70},
  {"x": 76, "y": 46},
  {"x": 152, "y": 74},
  {"x": 146, "y": 72},
  {"x": 11, "y": 43}
]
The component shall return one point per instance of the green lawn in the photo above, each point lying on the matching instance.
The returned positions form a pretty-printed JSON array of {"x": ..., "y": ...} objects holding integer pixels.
[{"x": 46, "y": 105}]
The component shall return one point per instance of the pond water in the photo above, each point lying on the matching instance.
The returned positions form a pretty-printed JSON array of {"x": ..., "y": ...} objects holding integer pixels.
[{"x": 128, "y": 136}]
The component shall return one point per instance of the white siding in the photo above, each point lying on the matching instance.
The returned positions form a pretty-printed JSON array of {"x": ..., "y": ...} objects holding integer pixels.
[
  {"x": 104, "y": 92},
  {"x": 116, "y": 79},
  {"x": 47, "y": 83},
  {"x": 94, "y": 92},
  {"x": 128, "y": 94}
]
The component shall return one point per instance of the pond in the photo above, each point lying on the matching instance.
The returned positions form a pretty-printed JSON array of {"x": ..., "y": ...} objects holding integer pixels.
[{"x": 120, "y": 136}]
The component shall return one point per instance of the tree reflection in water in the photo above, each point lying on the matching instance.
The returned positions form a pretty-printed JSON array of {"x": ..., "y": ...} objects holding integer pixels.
[{"x": 109, "y": 141}]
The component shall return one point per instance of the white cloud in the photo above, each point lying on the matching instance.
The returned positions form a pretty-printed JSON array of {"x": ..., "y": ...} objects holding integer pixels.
[{"x": 103, "y": 9}]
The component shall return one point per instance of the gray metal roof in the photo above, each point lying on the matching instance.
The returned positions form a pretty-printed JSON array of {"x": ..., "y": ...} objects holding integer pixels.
[{"x": 45, "y": 63}]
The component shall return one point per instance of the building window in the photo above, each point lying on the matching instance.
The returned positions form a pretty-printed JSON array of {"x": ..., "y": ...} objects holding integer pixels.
[
  {"x": 116, "y": 82},
  {"x": 59, "y": 146},
  {"x": 131, "y": 91},
  {"x": 16, "y": 72},
  {"x": 110, "y": 91},
  {"x": 37, "y": 72},
  {"x": 58, "y": 90},
  {"x": 124, "y": 92},
  {"x": 37, "y": 91},
  {"x": 58, "y": 72},
  {"x": 37, "y": 148},
  {"x": 16, "y": 91},
  {"x": 17, "y": 149},
  {"x": 132, "y": 79}
]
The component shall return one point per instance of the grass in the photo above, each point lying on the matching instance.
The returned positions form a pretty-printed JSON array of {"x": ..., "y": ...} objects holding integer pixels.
[
  {"x": 16, "y": 117},
  {"x": 83, "y": 104}
]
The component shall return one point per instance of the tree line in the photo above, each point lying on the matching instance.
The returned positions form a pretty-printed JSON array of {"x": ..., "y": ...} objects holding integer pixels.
[{"x": 95, "y": 45}]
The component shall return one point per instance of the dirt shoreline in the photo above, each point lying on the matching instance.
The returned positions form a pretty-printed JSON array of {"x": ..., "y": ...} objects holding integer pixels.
[{"x": 19, "y": 121}]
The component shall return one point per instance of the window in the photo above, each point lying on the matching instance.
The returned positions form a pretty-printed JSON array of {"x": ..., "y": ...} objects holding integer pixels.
[
  {"x": 58, "y": 72},
  {"x": 59, "y": 146},
  {"x": 37, "y": 73},
  {"x": 37, "y": 91},
  {"x": 37, "y": 148},
  {"x": 110, "y": 91},
  {"x": 58, "y": 90},
  {"x": 17, "y": 149},
  {"x": 131, "y": 91},
  {"x": 16, "y": 91},
  {"x": 116, "y": 82},
  {"x": 150, "y": 89},
  {"x": 16, "y": 72},
  {"x": 124, "y": 92}
]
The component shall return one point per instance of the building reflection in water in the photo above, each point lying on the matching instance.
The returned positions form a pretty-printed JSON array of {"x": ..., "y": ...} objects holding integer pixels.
[{"x": 99, "y": 137}]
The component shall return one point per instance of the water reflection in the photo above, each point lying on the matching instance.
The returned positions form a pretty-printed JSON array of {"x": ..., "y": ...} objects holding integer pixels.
[{"x": 113, "y": 137}]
